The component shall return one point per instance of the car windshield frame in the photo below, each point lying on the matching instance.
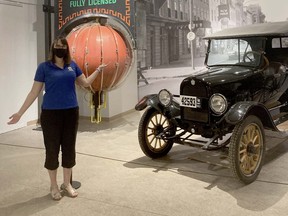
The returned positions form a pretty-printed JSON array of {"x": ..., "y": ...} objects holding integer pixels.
[{"x": 244, "y": 51}]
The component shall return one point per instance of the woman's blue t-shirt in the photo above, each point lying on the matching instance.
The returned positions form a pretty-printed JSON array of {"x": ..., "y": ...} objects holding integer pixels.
[{"x": 60, "y": 92}]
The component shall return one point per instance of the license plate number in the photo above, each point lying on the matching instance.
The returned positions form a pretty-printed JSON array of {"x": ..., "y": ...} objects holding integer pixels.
[{"x": 189, "y": 101}]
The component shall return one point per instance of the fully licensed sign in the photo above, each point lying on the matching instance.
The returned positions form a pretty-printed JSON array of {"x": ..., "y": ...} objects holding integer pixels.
[{"x": 67, "y": 11}]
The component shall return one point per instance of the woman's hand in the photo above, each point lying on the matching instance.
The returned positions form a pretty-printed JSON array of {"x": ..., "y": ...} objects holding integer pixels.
[
  {"x": 14, "y": 118},
  {"x": 87, "y": 81},
  {"x": 101, "y": 67},
  {"x": 31, "y": 97}
]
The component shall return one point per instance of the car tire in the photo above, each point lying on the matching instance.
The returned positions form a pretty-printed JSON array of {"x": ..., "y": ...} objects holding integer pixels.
[
  {"x": 247, "y": 149},
  {"x": 153, "y": 123}
]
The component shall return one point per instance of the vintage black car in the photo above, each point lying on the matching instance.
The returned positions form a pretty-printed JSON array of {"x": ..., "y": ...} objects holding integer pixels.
[{"x": 229, "y": 105}]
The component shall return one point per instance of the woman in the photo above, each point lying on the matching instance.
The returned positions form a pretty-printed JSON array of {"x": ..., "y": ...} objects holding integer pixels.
[{"x": 59, "y": 116}]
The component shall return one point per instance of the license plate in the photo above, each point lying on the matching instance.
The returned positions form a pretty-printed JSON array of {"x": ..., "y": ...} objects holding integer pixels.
[{"x": 189, "y": 101}]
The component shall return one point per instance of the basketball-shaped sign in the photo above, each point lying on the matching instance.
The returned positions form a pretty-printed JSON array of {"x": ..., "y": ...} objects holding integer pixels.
[{"x": 92, "y": 44}]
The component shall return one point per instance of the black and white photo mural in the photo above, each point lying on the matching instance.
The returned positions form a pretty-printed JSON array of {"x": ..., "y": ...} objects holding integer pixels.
[{"x": 170, "y": 35}]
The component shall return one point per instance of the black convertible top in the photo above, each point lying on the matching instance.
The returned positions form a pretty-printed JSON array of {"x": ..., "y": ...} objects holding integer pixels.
[{"x": 262, "y": 29}]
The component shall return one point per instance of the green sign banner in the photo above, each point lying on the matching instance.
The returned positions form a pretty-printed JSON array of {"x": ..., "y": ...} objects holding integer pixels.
[{"x": 68, "y": 11}]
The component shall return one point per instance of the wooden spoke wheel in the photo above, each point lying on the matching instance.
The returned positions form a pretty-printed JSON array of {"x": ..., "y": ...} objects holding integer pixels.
[
  {"x": 246, "y": 150},
  {"x": 154, "y": 127}
]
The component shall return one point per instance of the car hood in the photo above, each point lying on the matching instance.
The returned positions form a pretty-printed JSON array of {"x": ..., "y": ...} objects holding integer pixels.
[{"x": 227, "y": 74}]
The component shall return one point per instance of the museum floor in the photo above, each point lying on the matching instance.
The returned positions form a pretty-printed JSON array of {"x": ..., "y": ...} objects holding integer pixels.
[{"x": 117, "y": 179}]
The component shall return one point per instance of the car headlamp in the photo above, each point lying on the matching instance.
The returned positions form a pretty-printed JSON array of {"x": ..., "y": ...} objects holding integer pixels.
[
  {"x": 165, "y": 97},
  {"x": 218, "y": 104}
]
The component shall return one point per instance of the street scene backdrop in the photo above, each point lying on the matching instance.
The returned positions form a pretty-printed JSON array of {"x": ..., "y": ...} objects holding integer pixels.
[{"x": 170, "y": 35}]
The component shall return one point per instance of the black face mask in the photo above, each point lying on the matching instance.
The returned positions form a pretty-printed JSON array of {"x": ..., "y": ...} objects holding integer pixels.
[{"x": 60, "y": 53}]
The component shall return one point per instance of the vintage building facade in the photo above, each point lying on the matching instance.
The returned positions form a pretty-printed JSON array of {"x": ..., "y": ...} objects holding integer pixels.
[
  {"x": 162, "y": 26},
  {"x": 162, "y": 38},
  {"x": 166, "y": 23}
]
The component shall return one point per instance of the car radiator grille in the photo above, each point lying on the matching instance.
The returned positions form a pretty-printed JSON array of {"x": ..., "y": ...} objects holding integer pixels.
[{"x": 200, "y": 91}]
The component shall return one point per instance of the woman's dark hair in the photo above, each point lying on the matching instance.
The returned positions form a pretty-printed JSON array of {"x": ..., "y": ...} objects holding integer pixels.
[{"x": 67, "y": 57}]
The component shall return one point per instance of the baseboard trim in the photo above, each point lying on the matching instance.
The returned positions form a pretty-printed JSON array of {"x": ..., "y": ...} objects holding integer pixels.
[
  {"x": 33, "y": 122},
  {"x": 112, "y": 118}
]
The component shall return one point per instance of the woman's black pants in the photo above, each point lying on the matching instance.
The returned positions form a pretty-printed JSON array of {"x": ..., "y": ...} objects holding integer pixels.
[{"x": 60, "y": 130}]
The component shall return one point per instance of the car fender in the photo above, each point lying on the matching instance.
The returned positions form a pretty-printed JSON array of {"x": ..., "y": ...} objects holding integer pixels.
[
  {"x": 152, "y": 100},
  {"x": 242, "y": 109},
  {"x": 148, "y": 100}
]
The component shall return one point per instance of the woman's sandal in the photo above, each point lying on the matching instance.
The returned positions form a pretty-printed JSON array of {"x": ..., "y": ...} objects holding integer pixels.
[
  {"x": 55, "y": 193},
  {"x": 69, "y": 190}
]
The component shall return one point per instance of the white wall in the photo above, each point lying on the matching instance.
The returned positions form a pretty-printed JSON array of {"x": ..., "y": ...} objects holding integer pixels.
[
  {"x": 22, "y": 48},
  {"x": 123, "y": 98}
]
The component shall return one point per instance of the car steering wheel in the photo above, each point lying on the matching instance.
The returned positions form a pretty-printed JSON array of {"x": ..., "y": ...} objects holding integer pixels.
[{"x": 246, "y": 57}]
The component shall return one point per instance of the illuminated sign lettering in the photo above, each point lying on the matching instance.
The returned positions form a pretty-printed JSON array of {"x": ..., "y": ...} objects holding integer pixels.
[{"x": 66, "y": 11}]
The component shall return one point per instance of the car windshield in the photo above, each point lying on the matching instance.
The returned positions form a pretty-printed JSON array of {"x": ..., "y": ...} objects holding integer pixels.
[{"x": 240, "y": 51}]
